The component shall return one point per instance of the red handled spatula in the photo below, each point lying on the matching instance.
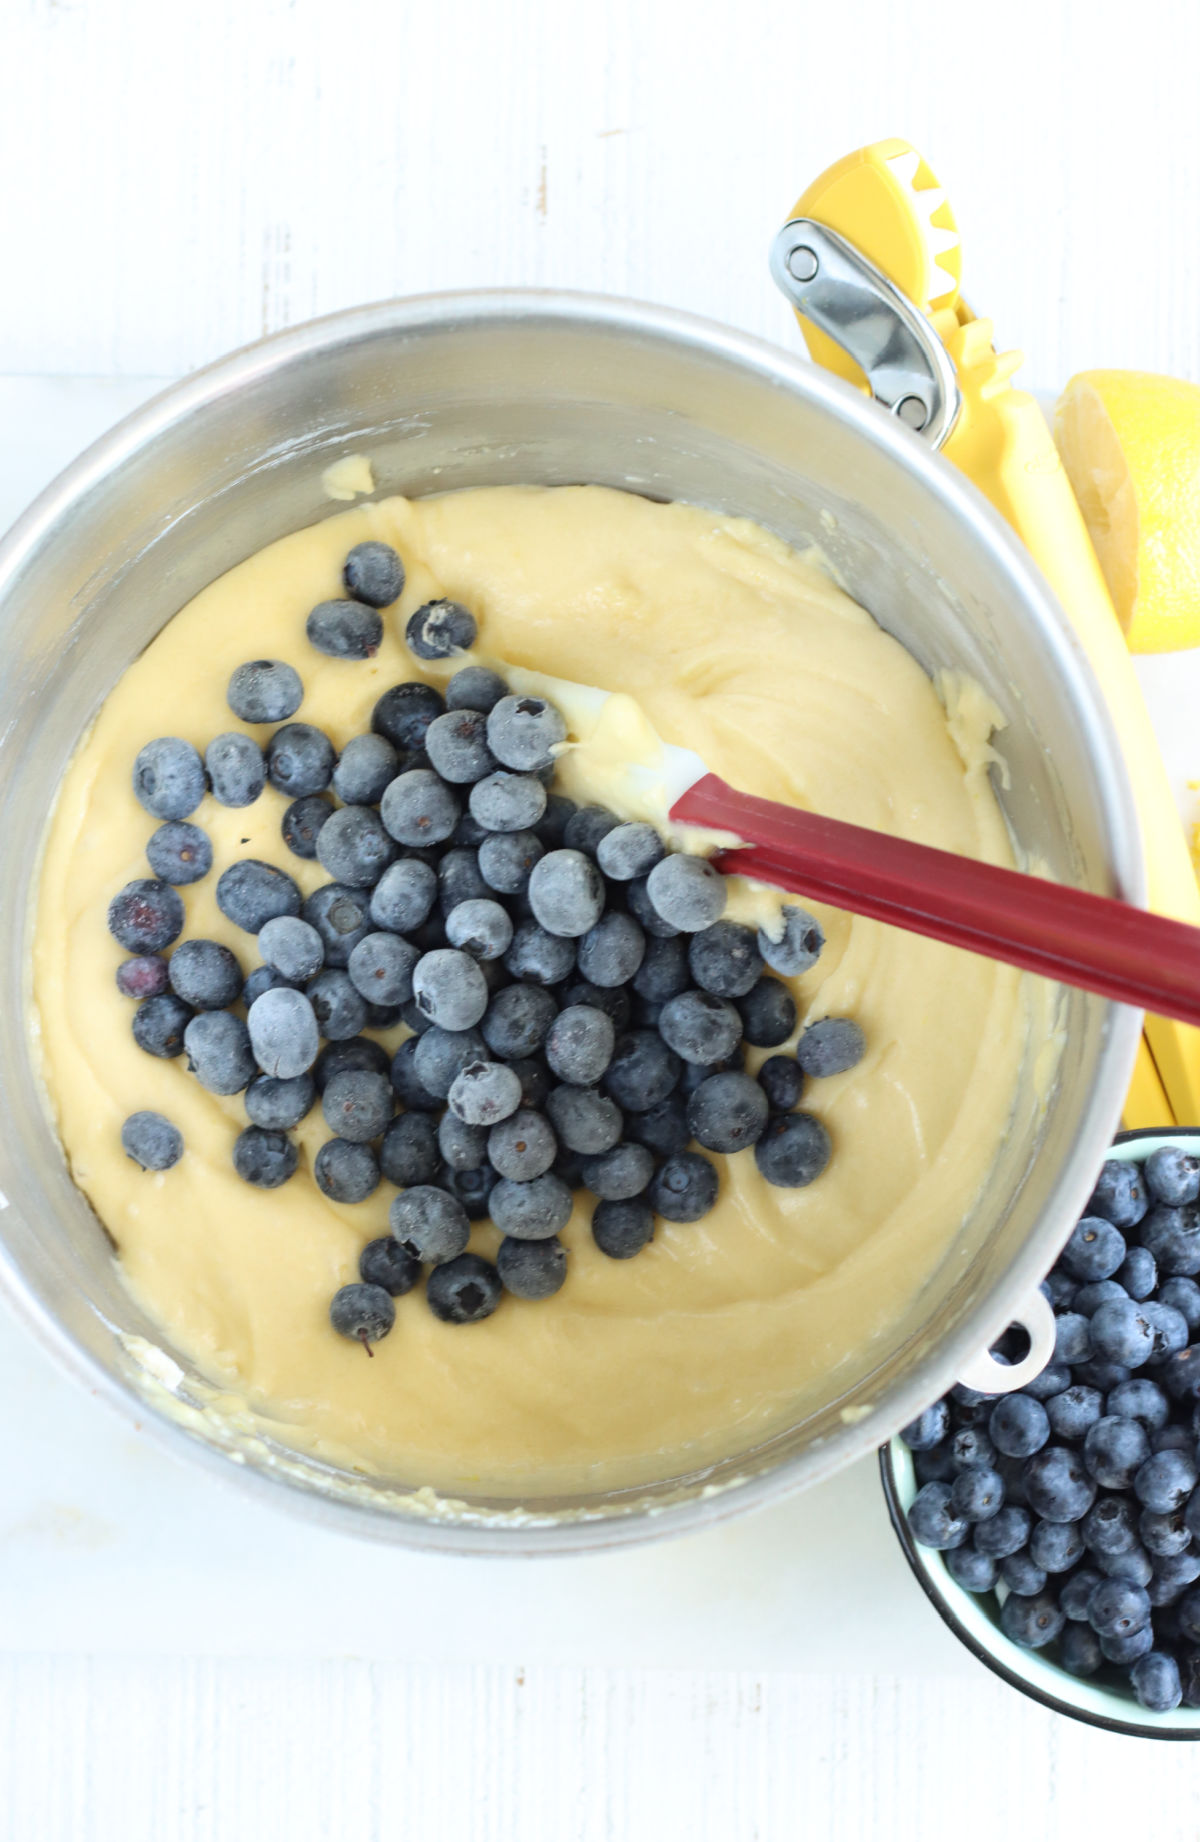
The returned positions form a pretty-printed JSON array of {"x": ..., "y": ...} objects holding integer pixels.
[{"x": 1105, "y": 946}]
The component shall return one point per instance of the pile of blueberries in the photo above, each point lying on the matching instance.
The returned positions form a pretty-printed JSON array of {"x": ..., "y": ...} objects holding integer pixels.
[
  {"x": 1077, "y": 1501},
  {"x": 579, "y": 1006}
]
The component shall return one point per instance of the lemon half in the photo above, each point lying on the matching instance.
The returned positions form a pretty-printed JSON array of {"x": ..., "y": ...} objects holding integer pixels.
[{"x": 1130, "y": 442}]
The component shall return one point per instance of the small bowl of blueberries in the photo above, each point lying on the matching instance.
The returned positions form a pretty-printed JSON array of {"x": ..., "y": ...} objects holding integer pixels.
[{"x": 1057, "y": 1530}]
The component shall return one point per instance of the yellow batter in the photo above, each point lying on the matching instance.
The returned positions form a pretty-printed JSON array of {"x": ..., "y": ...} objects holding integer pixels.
[{"x": 719, "y": 1331}]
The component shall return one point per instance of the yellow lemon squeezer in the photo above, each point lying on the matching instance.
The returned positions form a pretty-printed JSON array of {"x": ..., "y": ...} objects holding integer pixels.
[{"x": 871, "y": 262}]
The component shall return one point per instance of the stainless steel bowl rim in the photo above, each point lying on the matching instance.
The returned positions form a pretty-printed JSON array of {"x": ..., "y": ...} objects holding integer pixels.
[{"x": 936, "y": 1370}]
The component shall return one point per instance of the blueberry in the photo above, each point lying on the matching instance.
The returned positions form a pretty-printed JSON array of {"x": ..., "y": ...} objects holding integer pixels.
[
  {"x": 782, "y": 1081},
  {"x": 430, "y": 1223},
  {"x": 1117, "y": 1607},
  {"x": 251, "y": 893},
  {"x": 265, "y": 691},
  {"x": 1170, "y": 1330},
  {"x": 265, "y": 1159},
  {"x": 517, "y": 1021},
  {"x": 345, "y": 1172},
  {"x": 482, "y": 928},
  {"x": 441, "y": 1055},
  {"x": 146, "y": 916},
  {"x": 580, "y": 1044},
  {"x": 970, "y": 1447},
  {"x": 464, "y": 1290},
  {"x": 381, "y": 968},
  {"x": 725, "y": 959},
  {"x": 977, "y": 1493},
  {"x": 472, "y": 1188},
  {"x": 545, "y": 959},
  {"x": 143, "y": 976},
  {"x": 523, "y": 1146},
  {"x": 508, "y": 860},
  {"x": 1079, "y": 1650},
  {"x": 1019, "y": 1571},
  {"x": 354, "y": 848},
  {"x": 505, "y": 801},
  {"x": 205, "y": 975},
  {"x": 1173, "y": 1574},
  {"x": 663, "y": 1129},
  {"x": 374, "y": 574},
  {"x": 404, "y": 713},
  {"x": 700, "y": 1027},
  {"x": 1019, "y": 1425},
  {"x": 611, "y": 952},
  {"x": 793, "y": 1150},
  {"x": 404, "y": 896},
  {"x": 1121, "y": 1332},
  {"x": 408, "y": 1155},
  {"x": 159, "y": 1024},
  {"x": 1113, "y": 1450},
  {"x": 362, "y": 1312},
  {"x": 1138, "y": 1273},
  {"x": 179, "y": 853},
  {"x": 340, "y": 916},
  {"x": 642, "y": 1072},
  {"x": 1076, "y": 1591},
  {"x": 339, "y": 1009},
  {"x": 1182, "y": 1295},
  {"x": 584, "y": 1120},
  {"x": 664, "y": 970},
  {"x": 1173, "y": 1237},
  {"x": 1056, "y": 1546},
  {"x": 798, "y": 946},
  {"x": 1156, "y": 1683},
  {"x": 1073, "y": 1411},
  {"x": 728, "y": 1112},
  {"x": 928, "y": 1429},
  {"x": 1140, "y": 1400},
  {"x": 1164, "y": 1532},
  {"x": 1180, "y": 1374},
  {"x": 1088, "y": 1299},
  {"x": 456, "y": 743},
  {"x": 386, "y": 1264},
  {"x": 449, "y": 988},
  {"x": 525, "y": 732},
  {"x": 302, "y": 821},
  {"x": 552, "y": 826},
  {"x": 168, "y": 778},
  {"x": 358, "y": 1105},
  {"x": 1072, "y": 1337},
  {"x": 439, "y": 629},
  {"x": 970, "y": 1569},
  {"x": 475, "y": 688},
  {"x": 463, "y": 1147},
  {"x": 408, "y": 1085},
  {"x": 532, "y": 1269},
  {"x": 768, "y": 1013},
  {"x": 586, "y": 827},
  {"x": 1054, "y": 1379},
  {"x": 530, "y": 1211},
  {"x": 219, "y": 1052},
  {"x": 1100, "y": 1374},
  {"x": 1110, "y": 1526},
  {"x": 151, "y": 1141},
  {"x": 1060, "y": 1289},
  {"x": 621, "y": 1228},
  {"x": 1057, "y": 1485},
  {"x": 1120, "y": 1194},
  {"x": 687, "y": 892},
  {"x": 684, "y": 1188},
  {"x": 292, "y": 947},
  {"x": 1166, "y": 1480},
  {"x": 1005, "y": 1533},
  {"x": 461, "y": 880},
  {"x": 936, "y": 1466},
  {"x": 534, "y": 1079},
  {"x": 366, "y": 767},
  {"x": 483, "y": 1094},
  {"x": 1170, "y": 1175},
  {"x": 630, "y": 850},
  {"x": 933, "y": 1520},
  {"x": 299, "y": 760},
  {"x": 831, "y": 1046},
  {"x": 619, "y": 1174},
  {"x": 344, "y": 630},
  {"x": 1095, "y": 1250},
  {"x": 278, "y": 1105},
  {"x": 610, "y": 999}
]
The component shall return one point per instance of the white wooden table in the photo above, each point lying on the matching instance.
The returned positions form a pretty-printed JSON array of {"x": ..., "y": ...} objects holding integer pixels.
[{"x": 178, "y": 1664}]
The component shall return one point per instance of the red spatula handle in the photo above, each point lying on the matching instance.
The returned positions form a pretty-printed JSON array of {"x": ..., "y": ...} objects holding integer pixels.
[{"x": 1104, "y": 946}]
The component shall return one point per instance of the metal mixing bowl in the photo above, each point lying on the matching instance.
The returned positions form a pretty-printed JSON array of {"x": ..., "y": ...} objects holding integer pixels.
[{"x": 462, "y": 390}]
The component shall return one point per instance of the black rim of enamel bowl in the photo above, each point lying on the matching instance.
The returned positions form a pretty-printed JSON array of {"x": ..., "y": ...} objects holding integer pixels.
[{"x": 1135, "y": 1728}]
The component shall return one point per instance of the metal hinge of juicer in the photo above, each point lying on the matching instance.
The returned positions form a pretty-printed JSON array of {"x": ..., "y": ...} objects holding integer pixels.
[{"x": 832, "y": 284}]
